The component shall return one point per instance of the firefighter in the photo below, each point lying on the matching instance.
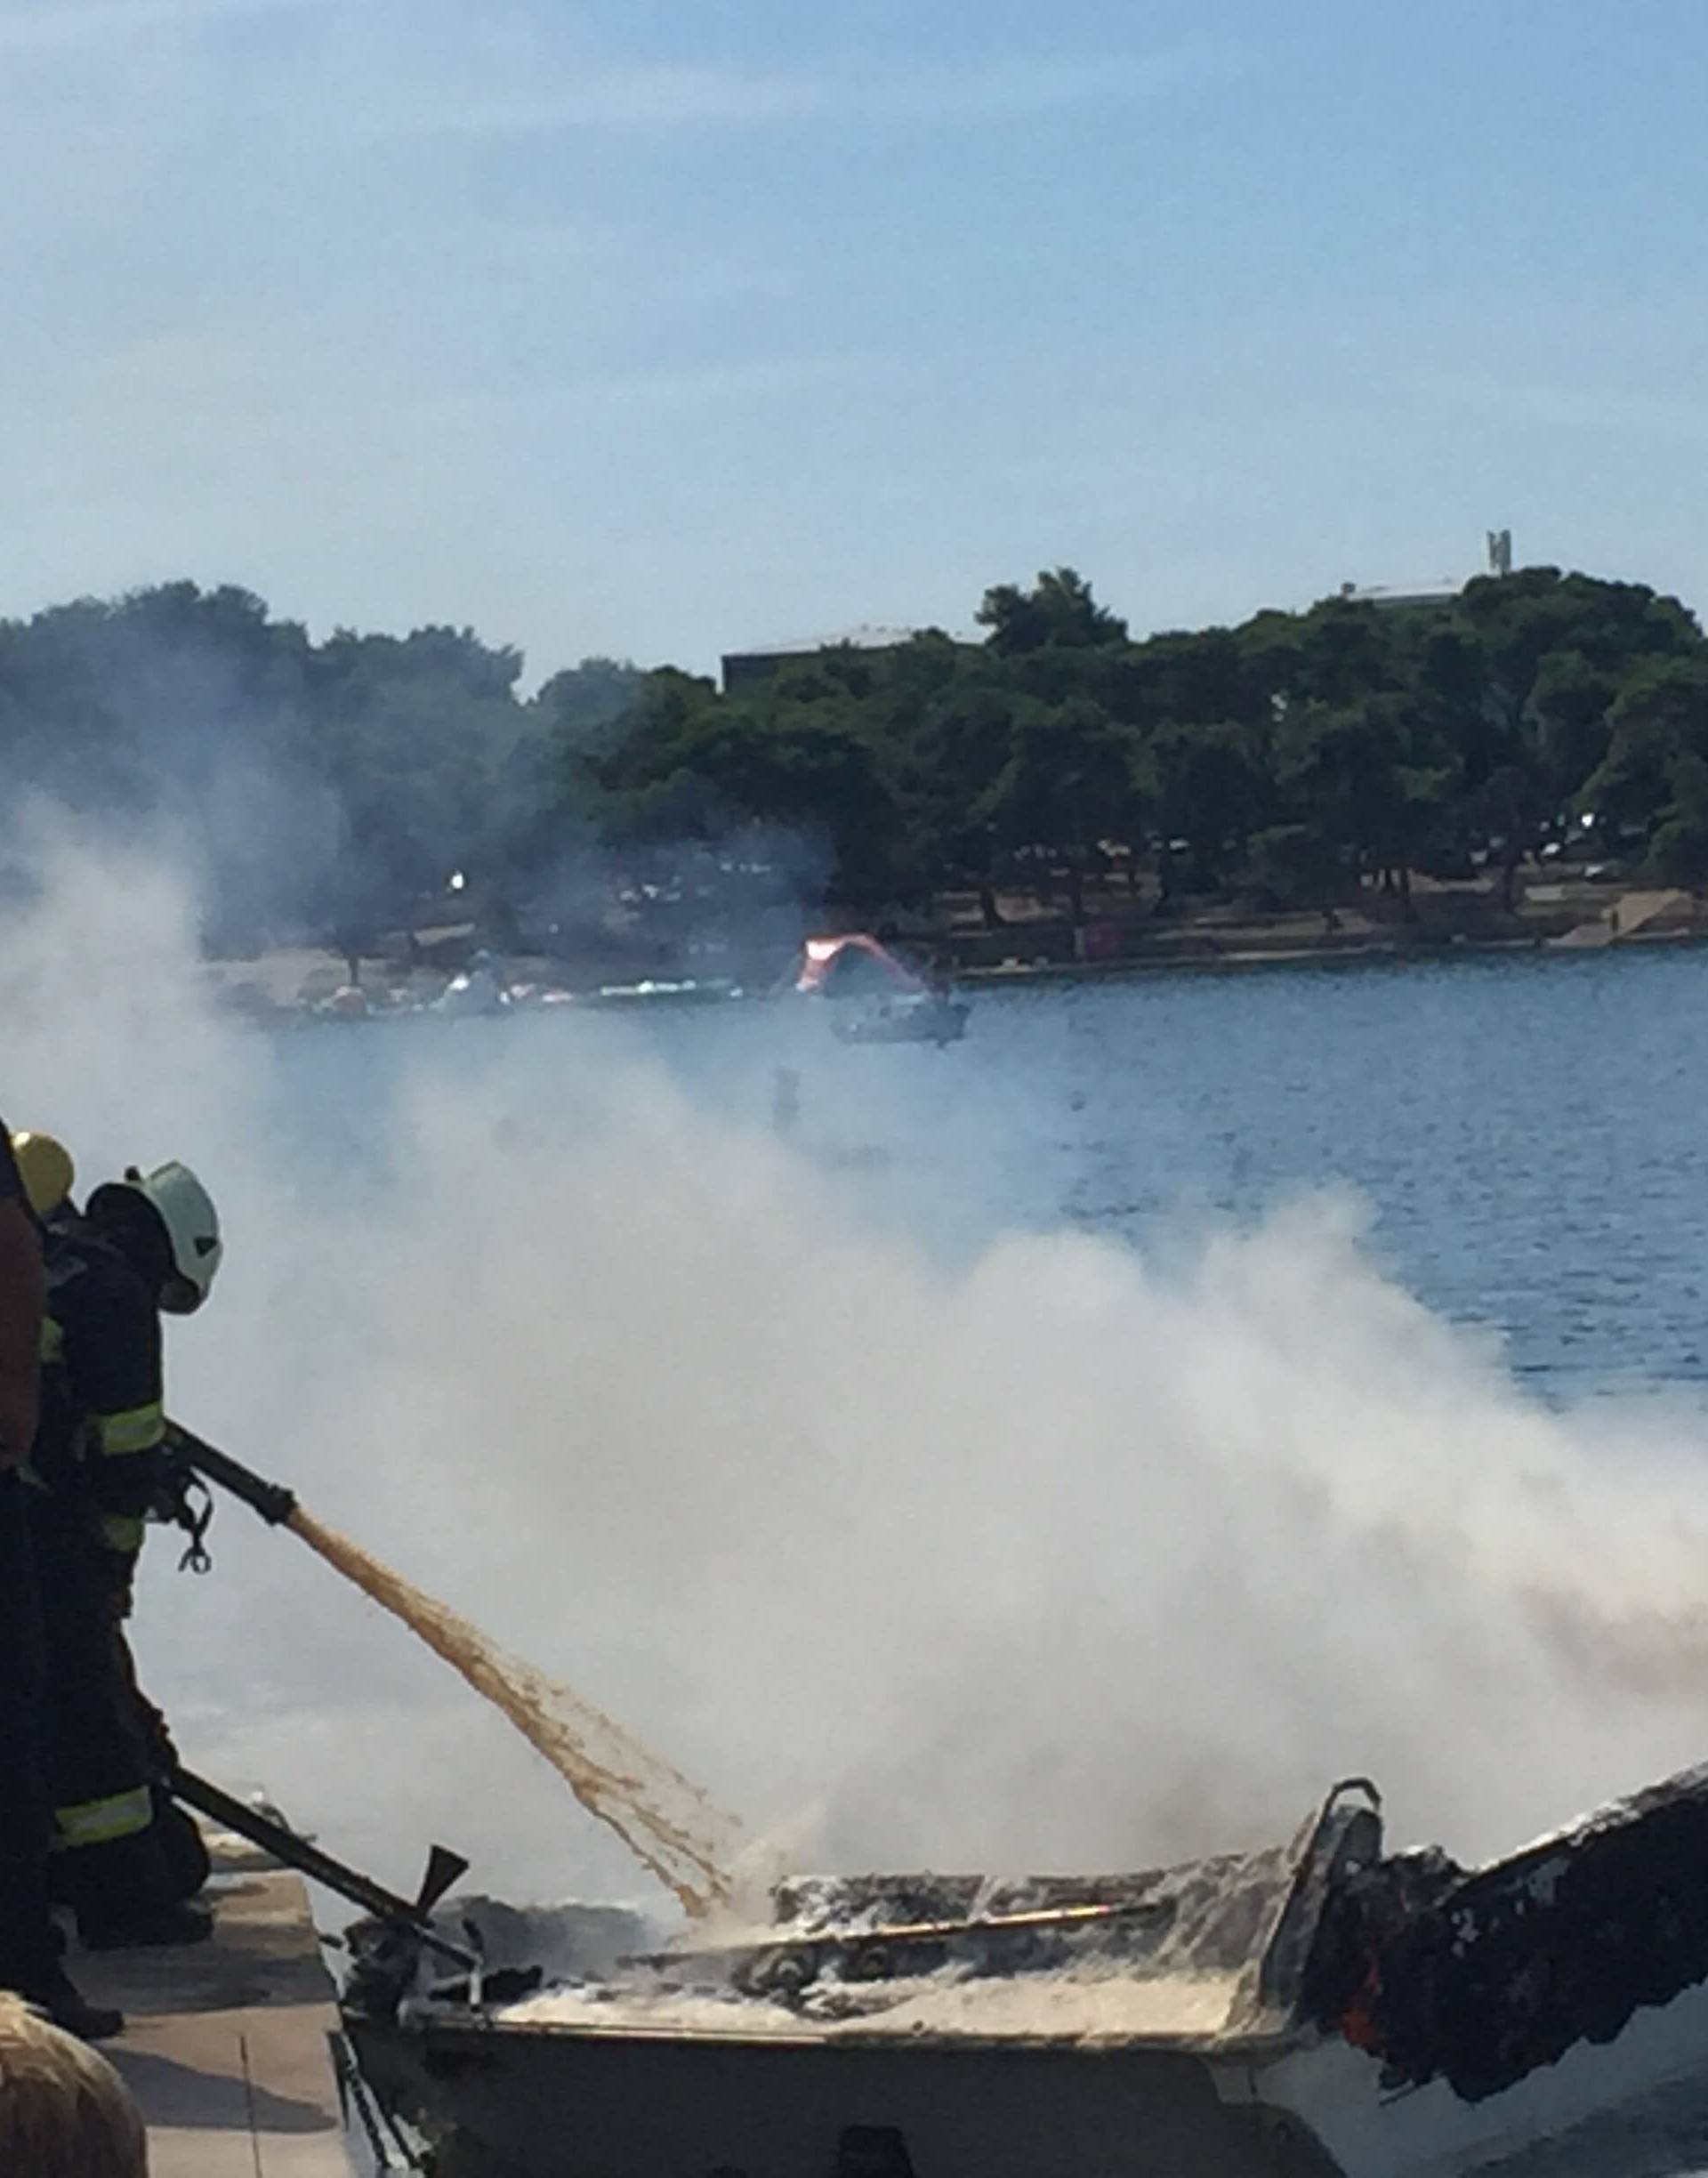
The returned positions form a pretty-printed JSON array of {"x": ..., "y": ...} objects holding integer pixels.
[
  {"x": 29, "y": 1945},
  {"x": 49, "y": 1175},
  {"x": 146, "y": 1244}
]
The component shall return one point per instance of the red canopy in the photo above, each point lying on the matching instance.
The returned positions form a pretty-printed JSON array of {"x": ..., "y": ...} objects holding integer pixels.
[{"x": 826, "y": 962}]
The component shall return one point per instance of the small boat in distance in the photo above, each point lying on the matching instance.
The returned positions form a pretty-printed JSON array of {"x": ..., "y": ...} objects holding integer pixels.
[{"x": 882, "y": 1000}]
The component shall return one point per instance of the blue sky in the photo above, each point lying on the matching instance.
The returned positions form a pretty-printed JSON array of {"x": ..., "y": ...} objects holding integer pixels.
[{"x": 662, "y": 329}]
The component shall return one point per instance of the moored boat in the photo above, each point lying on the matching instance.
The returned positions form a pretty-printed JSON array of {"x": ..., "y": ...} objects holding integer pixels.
[{"x": 877, "y": 998}]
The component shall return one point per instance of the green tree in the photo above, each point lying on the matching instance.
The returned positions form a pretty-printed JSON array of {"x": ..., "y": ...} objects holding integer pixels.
[
  {"x": 330, "y": 783},
  {"x": 1359, "y": 776},
  {"x": 414, "y": 734},
  {"x": 1523, "y": 624},
  {"x": 1678, "y": 854},
  {"x": 580, "y": 708},
  {"x": 1212, "y": 791},
  {"x": 949, "y": 759},
  {"x": 801, "y": 767},
  {"x": 1346, "y": 653},
  {"x": 1059, "y": 611},
  {"x": 1568, "y": 726},
  {"x": 1073, "y": 779},
  {"x": 1512, "y": 813},
  {"x": 1660, "y": 715}
]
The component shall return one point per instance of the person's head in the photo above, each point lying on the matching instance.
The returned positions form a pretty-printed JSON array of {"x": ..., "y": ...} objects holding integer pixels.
[
  {"x": 44, "y": 1166},
  {"x": 64, "y": 2112},
  {"x": 164, "y": 1225}
]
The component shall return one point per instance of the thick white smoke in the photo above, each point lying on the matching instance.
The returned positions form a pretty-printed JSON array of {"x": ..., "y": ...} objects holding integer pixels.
[{"x": 1038, "y": 1554}]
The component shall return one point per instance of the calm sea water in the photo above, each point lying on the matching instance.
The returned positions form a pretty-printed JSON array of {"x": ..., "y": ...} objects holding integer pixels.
[{"x": 1531, "y": 1132}]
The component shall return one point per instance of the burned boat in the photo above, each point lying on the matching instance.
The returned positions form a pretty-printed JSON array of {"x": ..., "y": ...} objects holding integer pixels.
[{"x": 1318, "y": 2008}]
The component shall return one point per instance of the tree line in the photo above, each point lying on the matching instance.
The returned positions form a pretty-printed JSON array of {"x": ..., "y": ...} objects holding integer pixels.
[{"x": 1290, "y": 760}]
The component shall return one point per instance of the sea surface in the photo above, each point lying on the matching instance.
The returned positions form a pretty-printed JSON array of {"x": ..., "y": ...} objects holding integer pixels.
[
  {"x": 1531, "y": 1131},
  {"x": 1528, "y": 1133}
]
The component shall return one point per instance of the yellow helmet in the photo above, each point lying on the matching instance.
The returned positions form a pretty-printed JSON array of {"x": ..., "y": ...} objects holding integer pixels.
[{"x": 46, "y": 1168}]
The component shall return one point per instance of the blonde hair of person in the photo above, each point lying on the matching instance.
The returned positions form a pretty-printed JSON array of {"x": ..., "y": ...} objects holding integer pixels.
[{"x": 64, "y": 2112}]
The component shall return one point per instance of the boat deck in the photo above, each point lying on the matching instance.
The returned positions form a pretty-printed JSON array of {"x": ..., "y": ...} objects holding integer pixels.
[{"x": 225, "y": 2042}]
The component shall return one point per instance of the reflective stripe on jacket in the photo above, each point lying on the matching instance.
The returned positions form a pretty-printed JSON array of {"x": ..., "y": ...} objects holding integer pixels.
[{"x": 97, "y": 1822}]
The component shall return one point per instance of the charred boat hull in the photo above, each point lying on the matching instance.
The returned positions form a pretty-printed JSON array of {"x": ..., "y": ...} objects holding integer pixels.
[
  {"x": 1317, "y": 2010},
  {"x": 544, "y": 2103}
]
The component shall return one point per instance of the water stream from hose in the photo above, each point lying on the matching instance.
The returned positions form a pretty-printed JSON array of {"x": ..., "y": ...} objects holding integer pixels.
[{"x": 663, "y": 1819}]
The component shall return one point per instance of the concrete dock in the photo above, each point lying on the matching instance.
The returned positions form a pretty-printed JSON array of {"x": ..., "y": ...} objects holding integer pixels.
[
  {"x": 225, "y": 2042},
  {"x": 1624, "y": 917}
]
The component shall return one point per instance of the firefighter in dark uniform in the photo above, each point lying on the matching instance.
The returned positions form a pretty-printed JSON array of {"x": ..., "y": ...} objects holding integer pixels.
[
  {"x": 29, "y": 1946},
  {"x": 146, "y": 1244}
]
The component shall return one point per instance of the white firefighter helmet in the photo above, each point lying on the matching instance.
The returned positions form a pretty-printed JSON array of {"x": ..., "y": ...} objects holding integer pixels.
[
  {"x": 191, "y": 1225},
  {"x": 46, "y": 1168}
]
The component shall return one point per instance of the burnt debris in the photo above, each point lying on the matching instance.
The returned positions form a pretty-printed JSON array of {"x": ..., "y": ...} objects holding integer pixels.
[{"x": 1482, "y": 1977}]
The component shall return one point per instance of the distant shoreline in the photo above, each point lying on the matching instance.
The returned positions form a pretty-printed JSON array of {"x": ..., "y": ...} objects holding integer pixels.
[
  {"x": 294, "y": 983},
  {"x": 1436, "y": 923},
  {"x": 1322, "y": 953}
]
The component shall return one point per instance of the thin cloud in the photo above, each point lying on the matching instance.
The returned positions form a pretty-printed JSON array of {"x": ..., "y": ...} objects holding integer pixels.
[
  {"x": 72, "y": 23},
  {"x": 772, "y": 379},
  {"x": 636, "y": 98},
  {"x": 1568, "y": 407}
]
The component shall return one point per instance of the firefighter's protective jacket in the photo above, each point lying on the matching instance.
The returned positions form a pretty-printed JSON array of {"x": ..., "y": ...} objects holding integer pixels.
[
  {"x": 103, "y": 1420},
  {"x": 95, "y": 1465}
]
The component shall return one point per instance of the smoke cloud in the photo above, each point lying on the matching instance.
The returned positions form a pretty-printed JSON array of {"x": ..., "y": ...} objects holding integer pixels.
[{"x": 917, "y": 1540}]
